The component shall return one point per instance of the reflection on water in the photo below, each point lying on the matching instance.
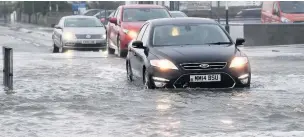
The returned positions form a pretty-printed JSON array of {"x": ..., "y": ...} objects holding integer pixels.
[{"x": 168, "y": 125}]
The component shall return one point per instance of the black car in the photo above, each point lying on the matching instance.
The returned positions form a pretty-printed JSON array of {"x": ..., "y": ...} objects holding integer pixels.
[{"x": 187, "y": 53}]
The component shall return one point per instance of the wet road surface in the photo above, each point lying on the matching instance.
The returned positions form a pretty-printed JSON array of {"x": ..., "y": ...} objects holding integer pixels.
[{"x": 86, "y": 94}]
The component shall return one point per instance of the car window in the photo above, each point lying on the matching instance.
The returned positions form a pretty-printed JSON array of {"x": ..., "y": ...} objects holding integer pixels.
[
  {"x": 188, "y": 34},
  {"x": 145, "y": 37},
  {"x": 117, "y": 11},
  {"x": 292, "y": 6},
  {"x": 275, "y": 8},
  {"x": 82, "y": 22},
  {"x": 141, "y": 32},
  {"x": 144, "y": 14},
  {"x": 118, "y": 15}
]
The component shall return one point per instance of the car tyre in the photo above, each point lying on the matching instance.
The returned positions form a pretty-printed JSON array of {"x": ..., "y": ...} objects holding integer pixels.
[
  {"x": 147, "y": 80},
  {"x": 121, "y": 53},
  {"x": 129, "y": 72},
  {"x": 55, "y": 48}
]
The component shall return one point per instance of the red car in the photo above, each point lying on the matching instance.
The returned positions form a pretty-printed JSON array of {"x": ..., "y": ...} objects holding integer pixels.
[
  {"x": 126, "y": 22},
  {"x": 282, "y": 12}
]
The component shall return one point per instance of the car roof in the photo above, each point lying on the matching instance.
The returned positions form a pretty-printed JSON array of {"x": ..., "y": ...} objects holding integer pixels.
[
  {"x": 78, "y": 16},
  {"x": 182, "y": 20},
  {"x": 142, "y": 6}
]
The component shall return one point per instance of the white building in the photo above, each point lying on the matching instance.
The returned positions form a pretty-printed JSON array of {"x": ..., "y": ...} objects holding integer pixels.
[{"x": 236, "y": 3}]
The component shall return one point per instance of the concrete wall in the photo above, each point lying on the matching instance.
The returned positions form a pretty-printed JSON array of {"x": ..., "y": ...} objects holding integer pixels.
[{"x": 273, "y": 34}]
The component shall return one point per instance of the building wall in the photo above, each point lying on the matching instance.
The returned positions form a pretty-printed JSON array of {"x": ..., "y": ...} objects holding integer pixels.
[
  {"x": 164, "y": 3},
  {"x": 236, "y": 3}
]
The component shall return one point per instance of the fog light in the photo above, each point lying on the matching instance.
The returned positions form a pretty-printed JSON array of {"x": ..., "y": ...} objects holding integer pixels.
[
  {"x": 244, "y": 81},
  {"x": 159, "y": 84},
  {"x": 244, "y": 78}
]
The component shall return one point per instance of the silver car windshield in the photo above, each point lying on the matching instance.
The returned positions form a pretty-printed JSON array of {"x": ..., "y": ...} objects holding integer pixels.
[{"x": 82, "y": 22}]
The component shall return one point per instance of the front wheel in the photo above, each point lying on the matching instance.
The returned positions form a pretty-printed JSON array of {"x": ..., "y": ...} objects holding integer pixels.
[{"x": 148, "y": 83}]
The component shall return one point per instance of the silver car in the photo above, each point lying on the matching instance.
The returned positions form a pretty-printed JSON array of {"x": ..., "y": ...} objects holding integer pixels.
[{"x": 79, "y": 32}]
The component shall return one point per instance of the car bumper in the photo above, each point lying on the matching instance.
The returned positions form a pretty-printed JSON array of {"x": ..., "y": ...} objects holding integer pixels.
[
  {"x": 80, "y": 44},
  {"x": 230, "y": 77}
]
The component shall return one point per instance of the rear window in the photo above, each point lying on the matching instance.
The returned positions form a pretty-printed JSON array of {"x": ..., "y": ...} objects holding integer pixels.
[{"x": 144, "y": 14}]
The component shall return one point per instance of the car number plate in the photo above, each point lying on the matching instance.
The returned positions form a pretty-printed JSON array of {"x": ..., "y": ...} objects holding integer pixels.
[
  {"x": 88, "y": 42},
  {"x": 205, "y": 78}
]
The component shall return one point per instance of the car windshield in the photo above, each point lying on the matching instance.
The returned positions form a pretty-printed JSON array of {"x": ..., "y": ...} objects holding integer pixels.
[
  {"x": 175, "y": 14},
  {"x": 292, "y": 6},
  {"x": 188, "y": 34},
  {"x": 82, "y": 22},
  {"x": 144, "y": 14}
]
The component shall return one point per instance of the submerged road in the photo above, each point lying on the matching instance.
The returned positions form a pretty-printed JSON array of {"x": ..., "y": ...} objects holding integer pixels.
[{"x": 86, "y": 94}]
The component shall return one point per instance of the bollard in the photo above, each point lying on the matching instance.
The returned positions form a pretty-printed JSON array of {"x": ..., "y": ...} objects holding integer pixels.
[{"x": 7, "y": 68}]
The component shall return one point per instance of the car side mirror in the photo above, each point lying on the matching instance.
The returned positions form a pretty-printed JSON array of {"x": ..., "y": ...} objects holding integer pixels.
[
  {"x": 138, "y": 45},
  {"x": 57, "y": 27},
  {"x": 239, "y": 41},
  {"x": 113, "y": 20}
]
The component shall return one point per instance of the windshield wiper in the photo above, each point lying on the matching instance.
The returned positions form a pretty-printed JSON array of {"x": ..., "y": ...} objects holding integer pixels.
[{"x": 219, "y": 43}]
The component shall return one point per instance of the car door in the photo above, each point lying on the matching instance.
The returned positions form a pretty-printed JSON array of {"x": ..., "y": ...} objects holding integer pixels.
[
  {"x": 58, "y": 32},
  {"x": 141, "y": 56},
  {"x": 112, "y": 27},
  {"x": 134, "y": 54},
  {"x": 275, "y": 13},
  {"x": 116, "y": 28}
]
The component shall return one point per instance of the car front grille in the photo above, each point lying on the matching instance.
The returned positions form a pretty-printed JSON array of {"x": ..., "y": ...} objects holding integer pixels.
[
  {"x": 84, "y": 36},
  {"x": 200, "y": 66}
]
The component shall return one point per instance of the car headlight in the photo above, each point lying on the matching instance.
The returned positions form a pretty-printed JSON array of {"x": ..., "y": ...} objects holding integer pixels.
[
  {"x": 285, "y": 20},
  {"x": 104, "y": 36},
  {"x": 163, "y": 64},
  {"x": 69, "y": 36},
  {"x": 238, "y": 62},
  {"x": 132, "y": 34}
]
